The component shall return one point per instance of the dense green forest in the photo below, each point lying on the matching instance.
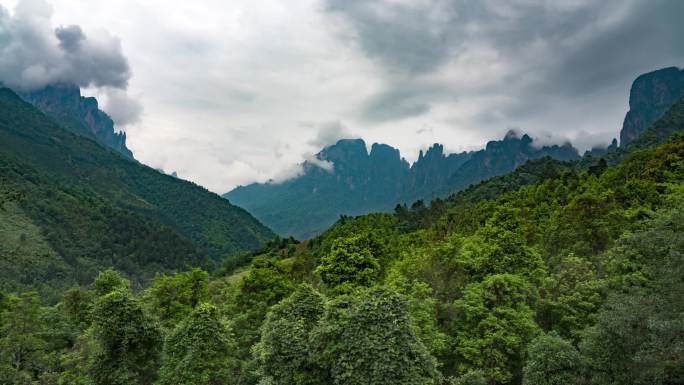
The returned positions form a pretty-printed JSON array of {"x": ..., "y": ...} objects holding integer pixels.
[
  {"x": 79, "y": 208},
  {"x": 559, "y": 273}
]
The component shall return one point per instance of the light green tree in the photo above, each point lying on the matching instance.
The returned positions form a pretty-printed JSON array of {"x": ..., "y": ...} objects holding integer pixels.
[{"x": 495, "y": 323}]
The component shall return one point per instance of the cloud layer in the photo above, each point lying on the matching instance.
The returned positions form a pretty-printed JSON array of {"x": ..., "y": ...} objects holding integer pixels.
[{"x": 242, "y": 91}]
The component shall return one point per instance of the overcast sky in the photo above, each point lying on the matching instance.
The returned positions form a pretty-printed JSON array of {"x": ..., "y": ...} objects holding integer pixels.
[{"x": 232, "y": 92}]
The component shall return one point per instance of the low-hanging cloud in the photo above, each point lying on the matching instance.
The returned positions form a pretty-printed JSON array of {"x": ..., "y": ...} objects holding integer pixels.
[
  {"x": 34, "y": 53},
  {"x": 121, "y": 107}
]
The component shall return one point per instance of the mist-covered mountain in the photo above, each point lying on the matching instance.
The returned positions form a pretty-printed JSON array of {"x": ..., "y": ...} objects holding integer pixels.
[
  {"x": 652, "y": 94},
  {"x": 357, "y": 181},
  {"x": 64, "y": 103},
  {"x": 69, "y": 208}
]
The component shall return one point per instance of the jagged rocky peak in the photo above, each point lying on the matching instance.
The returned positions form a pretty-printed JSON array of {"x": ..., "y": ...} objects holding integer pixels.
[
  {"x": 599, "y": 150},
  {"x": 64, "y": 103},
  {"x": 651, "y": 95}
]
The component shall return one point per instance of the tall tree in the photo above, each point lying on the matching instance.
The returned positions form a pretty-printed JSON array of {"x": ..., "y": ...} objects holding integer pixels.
[
  {"x": 200, "y": 351},
  {"x": 495, "y": 323},
  {"x": 128, "y": 340},
  {"x": 284, "y": 352},
  {"x": 368, "y": 339}
]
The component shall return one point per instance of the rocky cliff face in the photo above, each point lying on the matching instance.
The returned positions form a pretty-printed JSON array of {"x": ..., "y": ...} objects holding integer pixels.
[
  {"x": 652, "y": 95},
  {"x": 348, "y": 180},
  {"x": 64, "y": 103}
]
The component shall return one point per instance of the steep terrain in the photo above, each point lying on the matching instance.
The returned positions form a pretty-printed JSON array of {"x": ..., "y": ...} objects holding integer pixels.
[
  {"x": 651, "y": 95},
  {"x": 64, "y": 103},
  {"x": 73, "y": 208},
  {"x": 360, "y": 182}
]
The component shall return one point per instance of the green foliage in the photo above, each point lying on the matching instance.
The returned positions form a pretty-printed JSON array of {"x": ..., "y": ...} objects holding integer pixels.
[
  {"x": 474, "y": 377},
  {"x": 500, "y": 247},
  {"x": 349, "y": 264},
  {"x": 200, "y": 351},
  {"x": 109, "y": 281},
  {"x": 368, "y": 339},
  {"x": 495, "y": 323},
  {"x": 284, "y": 353},
  {"x": 128, "y": 341},
  {"x": 639, "y": 334},
  {"x": 173, "y": 297},
  {"x": 23, "y": 348},
  {"x": 552, "y": 361}
]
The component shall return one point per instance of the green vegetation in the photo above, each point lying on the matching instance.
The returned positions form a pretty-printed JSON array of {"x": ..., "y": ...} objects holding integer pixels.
[{"x": 570, "y": 275}]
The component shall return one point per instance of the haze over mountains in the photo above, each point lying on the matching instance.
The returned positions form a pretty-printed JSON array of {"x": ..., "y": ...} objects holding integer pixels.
[{"x": 346, "y": 179}]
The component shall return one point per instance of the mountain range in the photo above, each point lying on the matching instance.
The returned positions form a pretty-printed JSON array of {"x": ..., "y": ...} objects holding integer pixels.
[{"x": 360, "y": 182}]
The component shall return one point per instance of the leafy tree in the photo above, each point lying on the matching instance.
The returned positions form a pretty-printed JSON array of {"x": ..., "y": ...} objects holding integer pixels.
[
  {"x": 571, "y": 296},
  {"x": 284, "y": 352},
  {"x": 109, "y": 281},
  {"x": 23, "y": 351},
  {"x": 496, "y": 321},
  {"x": 173, "y": 297},
  {"x": 128, "y": 341},
  {"x": 200, "y": 351},
  {"x": 552, "y": 360},
  {"x": 349, "y": 264},
  {"x": 500, "y": 247},
  {"x": 266, "y": 284},
  {"x": 368, "y": 339}
]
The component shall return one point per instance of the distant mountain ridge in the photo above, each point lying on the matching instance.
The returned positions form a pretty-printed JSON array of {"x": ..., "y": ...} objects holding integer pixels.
[
  {"x": 64, "y": 103},
  {"x": 362, "y": 182}
]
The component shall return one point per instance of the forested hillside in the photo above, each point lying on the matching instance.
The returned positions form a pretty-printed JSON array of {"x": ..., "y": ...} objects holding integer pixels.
[
  {"x": 555, "y": 274},
  {"x": 75, "y": 208}
]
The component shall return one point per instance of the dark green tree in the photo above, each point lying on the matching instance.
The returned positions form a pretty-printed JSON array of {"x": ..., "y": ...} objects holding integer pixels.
[
  {"x": 200, "y": 351},
  {"x": 284, "y": 354},
  {"x": 128, "y": 341},
  {"x": 23, "y": 350},
  {"x": 368, "y": 339},
  {"x": 551, "y": 360}
]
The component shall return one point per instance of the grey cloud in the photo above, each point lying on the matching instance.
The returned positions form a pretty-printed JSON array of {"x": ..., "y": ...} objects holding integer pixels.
[
  {"x": 404, "y": 37},
  {"x": 33, "y": 54},
  {"x": 122, "y": 108},
  {"x": 394, "y": 104},
  {"x": 70, "y": 37},
  {"x": 548, "y": 51}
]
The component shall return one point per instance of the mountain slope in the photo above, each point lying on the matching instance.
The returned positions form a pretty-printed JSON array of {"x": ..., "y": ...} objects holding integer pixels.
[
  {"x": 360, "y": 182},
  {"x": 95, "y": 208}
]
